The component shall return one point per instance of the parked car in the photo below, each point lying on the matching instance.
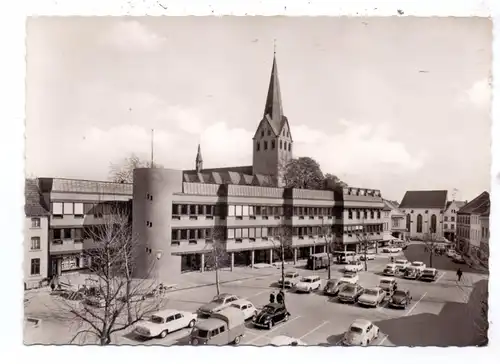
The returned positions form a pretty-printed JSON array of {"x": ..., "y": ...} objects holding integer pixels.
[
  {"x": 95, "y": 301},
  {"x": 369, "y": 256},
  {"x": 429, "y": 274},
  {"x": 224, "y": 327},
  {"x": 401, "y": 298},
  {"x": 395, "y": 249},
  {"x": 332, "y": 287},
  {"x": 451, "y": 253},
  {"x": 389, "y": 285},
  {"x": 270, "y": 315},
  {"x": 218, "y": 303},
  {"x": 418, "y": 265},
  {"x": 282, "y": 340},
  {"x": 372, "y": 297},
  {"x": 164, "y": 322},
  {"x": 245, "y": 306},
  {"x": 390, "y": 270},
  {"x": 360, "y": 333},
  {"x": 355, "y": 266},
  {"x": 309, "y": 284},
  {"x": 412, "y": 273},
  {"x": 401, "y": 264},
  {"x": 349, "y": 277},
  {"x": 291, "y": 279},
  {"x": 459, "y": 259},
  {"x": 350, "y": 293}
]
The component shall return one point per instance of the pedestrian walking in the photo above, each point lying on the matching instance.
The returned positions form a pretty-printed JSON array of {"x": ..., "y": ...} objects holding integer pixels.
[
  {"x": 280, "y": 298},
  {"x": 459, "y": 274},
  {"x": 271, "y": 297}
]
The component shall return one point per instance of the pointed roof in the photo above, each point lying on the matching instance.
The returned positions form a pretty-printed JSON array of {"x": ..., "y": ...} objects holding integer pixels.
[
  {"x": 424, "y": 199},
  {"x": 479, "y": 205},
  {"x": 34, "y": 204},
  {"x": 199, "y": 158},
  {"x": 273, "y": 110}
]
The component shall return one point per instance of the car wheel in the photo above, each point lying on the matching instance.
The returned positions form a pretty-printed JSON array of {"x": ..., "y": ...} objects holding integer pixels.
[
  {"x": 191, "y": 323},
  {"x": 270, "y": 325},
  {"x": 286, "y": 317},
  {"x": 376, "y": 334},
  {"x": 237, "y": 340},
  {"x": 310, "y": 290},
  {"x": 163, "y": 333}
]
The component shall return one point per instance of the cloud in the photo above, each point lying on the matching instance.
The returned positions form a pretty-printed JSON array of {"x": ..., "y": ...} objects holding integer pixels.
[
  {"x": 130, "y": 35},
  {"x": 478, "y": 95},
  {"x": 359, "y": 147}
]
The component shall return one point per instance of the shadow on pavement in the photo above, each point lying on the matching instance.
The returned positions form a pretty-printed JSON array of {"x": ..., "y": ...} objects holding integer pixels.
[
  {"x": 133, "y": 337},
  {"x": 458, "y": 324},
  {"x": 440, "y": 262}
]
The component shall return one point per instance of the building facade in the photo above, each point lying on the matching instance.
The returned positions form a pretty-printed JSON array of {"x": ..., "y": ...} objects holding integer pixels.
[
  {"x": 395, "y": 220},
  {"x": 75, "y": 206},
  {"x": 36, "y": 235},
  {"x": 450, "y": 219},
  {"x": 424, "y": 212},
  {"x": 472, "y": 218}
]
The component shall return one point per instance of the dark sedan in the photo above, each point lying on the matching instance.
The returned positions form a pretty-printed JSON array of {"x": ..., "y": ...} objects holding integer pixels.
[
  {"x": 333, "y": 287},
  {"x": 350, "y": 293},
  {"x": 412, "y": 273},
  {"x": 400, "y": 299},
  {"x": 270, "y": 315}
]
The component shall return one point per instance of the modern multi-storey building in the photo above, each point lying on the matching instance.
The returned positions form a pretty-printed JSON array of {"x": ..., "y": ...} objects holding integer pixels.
[
  {"x": 450, "y": 219},
  {"x": 424, "y": 212},
  {"x": 180, "y": 214},
  {"x": 472, "y": 219},
  {"x": 180, "y": 217}
]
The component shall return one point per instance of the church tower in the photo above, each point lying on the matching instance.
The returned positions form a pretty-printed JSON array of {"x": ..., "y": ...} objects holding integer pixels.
[
  {"x": 272, "y": 142},
  {"x": 199, "y": 160}
]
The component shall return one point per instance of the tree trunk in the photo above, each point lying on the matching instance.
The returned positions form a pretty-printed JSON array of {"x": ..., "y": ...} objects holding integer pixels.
[
  {"x": 217, "y": 285},
  {"x": 430, "y": 258},
  {"x": 127, "y": 296},
  {"x": 282, "y": 268},
  {"x": 366, "y": 260}
]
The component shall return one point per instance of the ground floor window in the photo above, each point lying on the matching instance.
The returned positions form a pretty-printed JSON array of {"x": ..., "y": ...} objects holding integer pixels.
[{"x": 35, "y": 266}]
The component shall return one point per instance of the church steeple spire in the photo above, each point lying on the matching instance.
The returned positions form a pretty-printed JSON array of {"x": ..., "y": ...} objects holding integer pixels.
[
  {"x": 199, "y": 160},
  {"x": 274, "y": 107}
]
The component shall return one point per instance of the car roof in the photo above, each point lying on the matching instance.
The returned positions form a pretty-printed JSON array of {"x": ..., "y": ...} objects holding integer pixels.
[
  {"x": 430, "y": 269},
  {"x": 292, "y": 272},
  {"x": 224, "y": 295},
  {"x": 361, "y": 323},
  {"x": 166, "y": 312},
  {"x": 241, "y": 301},
  {"x": 417, "y": 261},
  {"x": 311, "y": 277},
  {"x": 392, "y": 279},
  {"x": 209, "y": 324},
  {"x": 274, "y": 305}
]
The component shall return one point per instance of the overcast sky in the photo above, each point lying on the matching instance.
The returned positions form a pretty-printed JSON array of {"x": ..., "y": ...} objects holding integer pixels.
[{"x": 388, "y": 103}]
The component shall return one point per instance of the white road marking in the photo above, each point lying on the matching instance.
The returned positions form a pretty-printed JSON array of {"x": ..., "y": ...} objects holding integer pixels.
[
  {"x": 257, "y": 294},
  {"x": 415, "y": 305},
  {"x": 316, "y": 328},
  {"x": 382, "y": 341},
  {"x": 441, "y": 276},
  {"x": 275, "y": 328}
]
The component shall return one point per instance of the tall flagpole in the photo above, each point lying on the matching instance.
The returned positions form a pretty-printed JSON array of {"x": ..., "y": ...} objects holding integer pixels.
[{"x": 152, "y": 147}]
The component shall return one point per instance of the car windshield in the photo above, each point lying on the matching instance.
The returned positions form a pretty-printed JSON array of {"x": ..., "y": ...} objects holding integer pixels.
[
  {"x": 289, "y": 275},
  {"x": 157, "y": 319},
  {"x": 389, "y": 267},
  {"x": 428, "y": 271},
  {"x": 349, "y": 274},
  {"x": 416, "y": 264},
  {"x": 268, "y": 309},
  {"x": 236, "y": 306},
  {"x": 330, "y": 283},
  {"x": 307, "y": 280},
  {"x": 400, "y": 261},
  {"x": 200, "y": 333},
  {"x": 385, "y": 283},
  {"x": 349, "y": 289},
  {"x": 399, "y": 294},
  {"x": 410, "y": 270},
  {"x": 356, "y": 329},
  {"x": 371, "y": 292}
]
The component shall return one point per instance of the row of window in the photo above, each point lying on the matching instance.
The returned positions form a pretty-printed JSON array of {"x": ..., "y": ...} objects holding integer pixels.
[
  {"x": 282, "y": 145},
  {"x": 452, "y": 218},
  {"x": 362, "y": 192},
  {"x": 452, "y": 226},
  {"x": 372, "y": 213},
  {"x": 426, "y": 211},
  {"x": 485, "y": 232},
  {"x": 363, "y": 229},
  {"x": 395, "y": 222},
  {"x": 79, "y": 209},
  {"x": 285, "y": 132},
  {"x": 463, "y": 232},
  {"x": 35, "y": 243},
  {"x": 35, "y": 222},
  {"x": 70, "y": 233},
  {"x": 433, "y": 227},
  {"x": 464, "y": 219}
]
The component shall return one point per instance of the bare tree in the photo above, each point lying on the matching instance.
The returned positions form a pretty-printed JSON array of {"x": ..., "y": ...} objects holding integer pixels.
[
  {"x": 364, "y": 242},
  {"x": 282, "y": 243},
  {"x": 217, "y": 255},
  {"x": 330, "y": 244},
  {"x": 113, "y": 301},
  {"x": 431, "y": 243},
  {"x": 123, "y": 171}
]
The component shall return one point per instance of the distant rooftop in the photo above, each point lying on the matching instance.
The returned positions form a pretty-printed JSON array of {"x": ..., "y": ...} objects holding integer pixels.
[
  {"x": 424, "y": 199},
  {"x": 478, "y": 206},
  {"x": 34, "y": 205},
  {"x": 84, "y": 186}
]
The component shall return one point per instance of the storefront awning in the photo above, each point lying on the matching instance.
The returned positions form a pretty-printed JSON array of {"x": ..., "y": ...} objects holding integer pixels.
[{"x": 387, "y": 237}]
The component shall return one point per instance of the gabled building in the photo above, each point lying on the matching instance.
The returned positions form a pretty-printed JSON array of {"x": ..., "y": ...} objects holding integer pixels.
[
  {"x": 472, "y": 220},
  {"x": 424, "y": 212},
  {"x": 395, "y": 220},
  {"x": 36, "y": 236},
  {"x": 450, "y": 219}
]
